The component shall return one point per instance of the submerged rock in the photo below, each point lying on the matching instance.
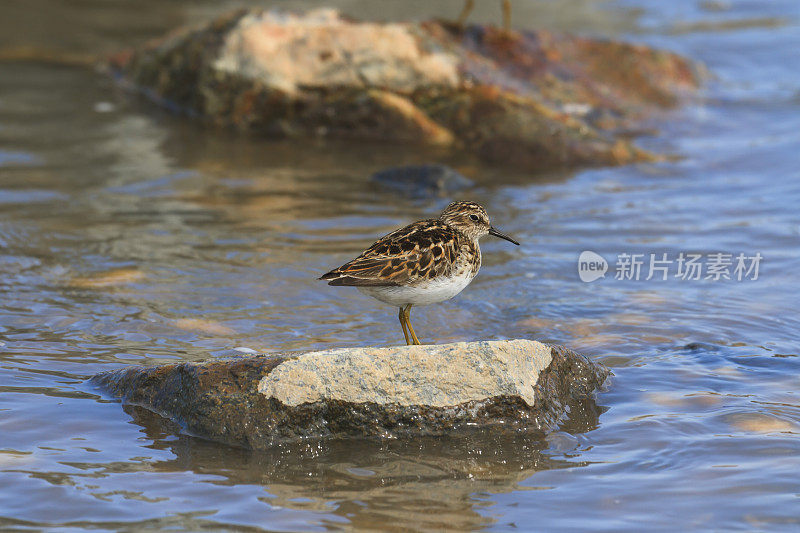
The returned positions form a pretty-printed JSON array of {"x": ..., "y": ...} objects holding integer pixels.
[
  {"x": 258, "y": 402},
  {"x": 523, "y": 98},
  {"x": 422, "y": 180}
]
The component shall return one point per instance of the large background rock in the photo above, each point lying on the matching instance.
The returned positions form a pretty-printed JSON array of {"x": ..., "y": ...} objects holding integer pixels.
[
  {"x": 529, "y": 99},
  {"x": 375, "y": 392}
]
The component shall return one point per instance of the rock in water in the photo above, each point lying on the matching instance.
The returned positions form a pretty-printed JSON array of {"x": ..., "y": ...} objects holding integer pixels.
[
  {"x": 422, "y": 181},
  {"x": 257, "y": 402},
  {"x": 528, "y": 99}
]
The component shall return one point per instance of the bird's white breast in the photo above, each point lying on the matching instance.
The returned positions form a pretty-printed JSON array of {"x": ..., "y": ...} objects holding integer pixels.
[{"x": 429, "y": 292}]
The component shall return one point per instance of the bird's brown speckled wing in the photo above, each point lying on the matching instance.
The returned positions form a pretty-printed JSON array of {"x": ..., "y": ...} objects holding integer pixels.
[{"x": 422, "y": 250}]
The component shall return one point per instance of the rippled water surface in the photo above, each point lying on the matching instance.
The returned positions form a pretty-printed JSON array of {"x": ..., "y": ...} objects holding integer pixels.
[{"x": 129, "y": 236}]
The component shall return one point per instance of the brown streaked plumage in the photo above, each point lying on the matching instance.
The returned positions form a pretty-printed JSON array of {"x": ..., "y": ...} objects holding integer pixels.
[
  {"x": 419, "y": 251},
  {"x": 425, "y": 262}
]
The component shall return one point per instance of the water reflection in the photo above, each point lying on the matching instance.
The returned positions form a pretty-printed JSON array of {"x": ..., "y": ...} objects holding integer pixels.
[{"x": 430, "y": 483}]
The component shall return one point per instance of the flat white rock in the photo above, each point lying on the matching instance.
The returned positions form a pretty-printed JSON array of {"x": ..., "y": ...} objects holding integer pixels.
[{"x": 430, "y": 375}]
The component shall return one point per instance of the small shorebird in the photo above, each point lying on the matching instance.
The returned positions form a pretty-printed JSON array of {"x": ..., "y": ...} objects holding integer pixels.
[{"x": 423, "y": 263}]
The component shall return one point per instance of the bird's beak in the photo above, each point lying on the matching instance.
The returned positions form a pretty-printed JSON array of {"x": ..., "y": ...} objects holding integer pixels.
[{"x": 502, "y": 235}]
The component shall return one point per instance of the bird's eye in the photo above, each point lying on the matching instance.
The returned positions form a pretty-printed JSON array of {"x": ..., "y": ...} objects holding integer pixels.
[{"x": 474, "y": 217}]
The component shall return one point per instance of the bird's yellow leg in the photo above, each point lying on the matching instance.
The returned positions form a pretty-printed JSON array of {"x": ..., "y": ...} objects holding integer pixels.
[
  {"x": 462, "y": 18},
  {"x": 402, "y": 316},
  {"x": 507, "y": 15},
  {"x": 410, "y": 327}
]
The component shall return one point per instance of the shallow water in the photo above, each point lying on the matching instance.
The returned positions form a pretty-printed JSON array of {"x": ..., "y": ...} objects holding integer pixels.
[{"x": 130, "y": 236}]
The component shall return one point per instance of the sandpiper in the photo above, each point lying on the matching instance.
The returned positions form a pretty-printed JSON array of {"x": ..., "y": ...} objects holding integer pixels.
[{"x": 423, "y": 263}]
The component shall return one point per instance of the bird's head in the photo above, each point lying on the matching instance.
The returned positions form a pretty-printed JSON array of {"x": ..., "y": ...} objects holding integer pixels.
[{"x": 472, "y": 220}]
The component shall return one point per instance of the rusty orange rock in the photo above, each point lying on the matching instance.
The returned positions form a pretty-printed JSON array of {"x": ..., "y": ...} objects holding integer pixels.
[{"x": 530, "y": 99}]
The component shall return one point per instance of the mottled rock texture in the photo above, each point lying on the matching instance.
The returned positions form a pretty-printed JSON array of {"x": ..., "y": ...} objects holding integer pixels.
[
  {"x": 531, "y": 99},
  {"x": 422, "y": 181},
  {"x": 258, "y": 402}
]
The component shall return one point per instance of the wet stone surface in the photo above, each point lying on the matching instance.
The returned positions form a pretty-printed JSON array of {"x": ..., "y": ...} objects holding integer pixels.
[
  {"x": 421, "y": 181},
  {"x": 527, "y": 98},
  {"x": 406, "y": 391}
]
